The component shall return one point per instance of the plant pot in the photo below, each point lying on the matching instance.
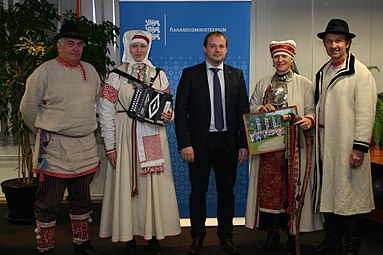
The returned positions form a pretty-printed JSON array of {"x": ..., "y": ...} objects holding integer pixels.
[{"x": 20, "y": 199}]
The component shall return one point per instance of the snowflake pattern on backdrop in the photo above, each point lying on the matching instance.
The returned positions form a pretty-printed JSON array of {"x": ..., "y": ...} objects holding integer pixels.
[{"x": 173, "y": 68}]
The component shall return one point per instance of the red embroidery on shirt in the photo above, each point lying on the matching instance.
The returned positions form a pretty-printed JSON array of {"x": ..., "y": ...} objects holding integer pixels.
[
  {"x": 337, "y": 63},
  {"x": 109, "y": 93},
  {"x": 83, "y": 73},
  {"x": 64, "y": 63}
]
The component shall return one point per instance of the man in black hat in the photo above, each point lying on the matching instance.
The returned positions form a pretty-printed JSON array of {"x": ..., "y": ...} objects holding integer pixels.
[
  {"x": 345, "y": 99},
  {"x": 59, "y": 106}
]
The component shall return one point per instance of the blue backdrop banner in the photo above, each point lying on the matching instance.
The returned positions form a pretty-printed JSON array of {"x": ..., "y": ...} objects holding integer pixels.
[{"x": 178, "y": 29}]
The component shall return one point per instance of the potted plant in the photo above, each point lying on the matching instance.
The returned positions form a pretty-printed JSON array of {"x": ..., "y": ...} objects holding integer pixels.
[
  {"x": 378, "y": 126},
  {"x": 26, "y": 35},
  {"x": 24, "y": 47},
  {"x": 377, "y": 132}
]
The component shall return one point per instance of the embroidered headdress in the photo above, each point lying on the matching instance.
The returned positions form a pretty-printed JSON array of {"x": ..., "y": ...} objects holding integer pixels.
[{"x": 283, "y": 48}]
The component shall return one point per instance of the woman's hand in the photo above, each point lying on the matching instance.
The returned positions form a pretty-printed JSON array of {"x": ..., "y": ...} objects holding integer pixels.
[
  {"x": 167, "y": 116},
  {"x": 112, "y": 158},
  {"x": 267, "y": 108},
  {"x": 305, "y": 123}
]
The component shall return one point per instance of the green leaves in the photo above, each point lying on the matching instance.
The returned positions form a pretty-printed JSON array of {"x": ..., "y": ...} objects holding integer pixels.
[
  {"x": 27, "y": 29},
  {"x": 378, "y": 127},
  {"x": 26, "y": 34}
]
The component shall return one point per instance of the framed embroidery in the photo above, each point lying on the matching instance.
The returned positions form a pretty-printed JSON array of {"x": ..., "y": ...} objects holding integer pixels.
[{"x": 265, "y": 130}]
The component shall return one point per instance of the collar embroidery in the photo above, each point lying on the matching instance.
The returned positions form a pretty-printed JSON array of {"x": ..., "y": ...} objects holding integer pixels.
[
  {"x": 64, "y": 63},
  {"x": 337, "y": 64}
]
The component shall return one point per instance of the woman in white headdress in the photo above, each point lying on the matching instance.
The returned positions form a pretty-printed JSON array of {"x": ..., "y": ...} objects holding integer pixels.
[
  {"x": 139, "y": 194},
  {"x": 272, "y": 195}
]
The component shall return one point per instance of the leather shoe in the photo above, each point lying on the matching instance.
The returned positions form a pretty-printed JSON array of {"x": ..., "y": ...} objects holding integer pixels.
[
  {"x": 155, "y": 246},
  {"x": 272, "y": 241},
  {"x": 48, "y": 252},
  {"x": 196, "y": 245},
  {"x": 329, "y": 247},
  {"x": 229, "y": 246},
  {"x": 290, "y": 246},
  {"x": 85, "y": 248},
  {"x": 131, "y": 247}
]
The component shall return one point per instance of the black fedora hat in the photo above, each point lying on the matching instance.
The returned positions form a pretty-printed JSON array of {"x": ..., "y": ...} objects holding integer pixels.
[
  {"x": 336, "y": 26},
  {"x": 70, "y": 30}
]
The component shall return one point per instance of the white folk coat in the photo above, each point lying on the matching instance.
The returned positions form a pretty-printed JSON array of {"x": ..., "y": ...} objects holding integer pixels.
[{"x": 349, "y": 112}]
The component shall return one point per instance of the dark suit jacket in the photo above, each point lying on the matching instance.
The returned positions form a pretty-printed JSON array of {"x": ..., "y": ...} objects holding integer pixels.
[{"x": 192, "y": 108}]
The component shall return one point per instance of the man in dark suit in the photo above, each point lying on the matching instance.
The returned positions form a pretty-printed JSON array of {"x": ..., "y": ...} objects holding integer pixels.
[{"x": 211, "y": 99}]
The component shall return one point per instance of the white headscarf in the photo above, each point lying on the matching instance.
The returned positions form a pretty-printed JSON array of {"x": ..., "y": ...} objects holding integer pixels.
[
  {"x": 149, "y": 132},
  {"x": 133, "y": 36}
]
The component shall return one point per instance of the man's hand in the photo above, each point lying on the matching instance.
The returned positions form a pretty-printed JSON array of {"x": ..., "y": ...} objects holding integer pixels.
[
  {"x": 242, "y": 155},
  {"x": 188, "y": 154},
  {"x": 356, "y": 158}
]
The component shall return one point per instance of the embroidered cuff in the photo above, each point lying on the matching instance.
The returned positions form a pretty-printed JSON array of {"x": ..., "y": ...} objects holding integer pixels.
[
  {"x": 110, "y": 151},
  {"x": 312, "y": 122}
]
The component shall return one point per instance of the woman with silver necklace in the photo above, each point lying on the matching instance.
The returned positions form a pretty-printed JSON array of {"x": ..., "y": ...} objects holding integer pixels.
[{"x": 268, "y": 197}]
